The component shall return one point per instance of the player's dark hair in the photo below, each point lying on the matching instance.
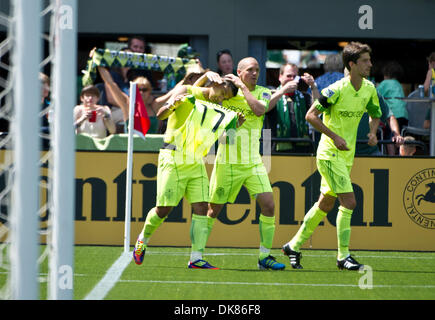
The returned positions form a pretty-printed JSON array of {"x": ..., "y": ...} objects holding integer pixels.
[
  {"x": 352, "y": 51},
  {"x": 232, "y": 86}
]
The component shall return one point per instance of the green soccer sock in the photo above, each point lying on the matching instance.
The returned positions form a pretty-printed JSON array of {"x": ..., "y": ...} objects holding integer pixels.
[
  {"x": 152, "y": 222},
  {"x": 312, "y": 219},
  {"x": 267, "y": 232},
  {"x": 210, "y": 224},
  {"x": 343, "y": 231},
  {"x": 198, "y": 236}
]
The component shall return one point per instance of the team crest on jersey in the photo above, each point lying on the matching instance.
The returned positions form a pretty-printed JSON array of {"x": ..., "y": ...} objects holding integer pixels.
[
  {"x": 265, "y": 95},
  {"x": 328, "y": 93}
]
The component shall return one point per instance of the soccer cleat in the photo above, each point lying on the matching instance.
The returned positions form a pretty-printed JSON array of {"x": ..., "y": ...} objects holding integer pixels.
[
  {"x": 349, "y": 264},
  {"x": 295, "y": 257},
  {"x": 201, "y": 264},
  {"x": 139, "y": 252},
  {"x": 270, "y": 263}
]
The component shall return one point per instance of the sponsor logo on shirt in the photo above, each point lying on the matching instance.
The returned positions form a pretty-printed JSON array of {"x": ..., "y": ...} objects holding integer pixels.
[{"x": 351, "y": 114}]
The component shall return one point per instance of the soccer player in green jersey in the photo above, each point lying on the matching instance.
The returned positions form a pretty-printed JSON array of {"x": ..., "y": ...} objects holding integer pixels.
[
  {"x": 343, "y": 104},
  {"x": 240, "y": 164},
  {"x": 177, "y": 178}
]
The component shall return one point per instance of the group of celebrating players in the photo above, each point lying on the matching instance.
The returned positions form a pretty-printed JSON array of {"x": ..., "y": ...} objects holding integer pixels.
[{"x": 221, "y": 109}]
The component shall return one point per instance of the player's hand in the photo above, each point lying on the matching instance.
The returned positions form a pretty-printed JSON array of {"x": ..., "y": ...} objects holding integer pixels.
[
  {"x": 214, "y": 77},
  {"x": 373, "y": 140},
  {"x": 340, "y": 143},
  {"x": 234, "y": 79},
  {"x": 240, "y": 119}
]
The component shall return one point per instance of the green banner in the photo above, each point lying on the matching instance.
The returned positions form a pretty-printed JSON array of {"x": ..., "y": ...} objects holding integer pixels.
[{"x": 115, "y": 59}]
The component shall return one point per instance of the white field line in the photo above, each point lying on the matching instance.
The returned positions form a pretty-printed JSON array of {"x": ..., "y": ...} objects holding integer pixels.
[
  {"x": 150, "y": 252},
  {"x": 277, "y": 284},
  {"x": 110, "y": 278}
]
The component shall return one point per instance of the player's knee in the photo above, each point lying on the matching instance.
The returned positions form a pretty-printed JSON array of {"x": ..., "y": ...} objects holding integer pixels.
[
  {"x": 200, "y": 208},
  {"x": 268, "y": 208},
  {"x": 326, "y": 206},
  {"x": 326, "y": 202},
  {"x": 349, "y": 204}
]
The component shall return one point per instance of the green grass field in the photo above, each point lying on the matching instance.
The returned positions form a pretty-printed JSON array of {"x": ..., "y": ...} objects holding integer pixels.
[{"x": 164, "y": 276}]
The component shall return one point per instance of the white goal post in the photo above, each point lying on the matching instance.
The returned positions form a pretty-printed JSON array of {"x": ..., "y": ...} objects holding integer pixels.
[{"x": 21, "y": 182}]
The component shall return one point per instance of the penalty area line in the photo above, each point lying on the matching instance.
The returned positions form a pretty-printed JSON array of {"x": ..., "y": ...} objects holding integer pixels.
[{"x": 110, "y": 278}]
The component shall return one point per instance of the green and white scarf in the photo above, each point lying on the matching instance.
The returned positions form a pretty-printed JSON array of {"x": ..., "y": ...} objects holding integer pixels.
[{"x": 113, "y": 59}]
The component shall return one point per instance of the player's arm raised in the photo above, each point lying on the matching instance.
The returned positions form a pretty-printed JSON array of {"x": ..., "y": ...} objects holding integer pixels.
[
  {"x": 172, "y": 103},
  {"x": 258, "y": 107}
]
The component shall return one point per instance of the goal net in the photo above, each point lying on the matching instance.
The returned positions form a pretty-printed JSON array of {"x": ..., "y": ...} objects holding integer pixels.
[{"x": 37, "y": 159}]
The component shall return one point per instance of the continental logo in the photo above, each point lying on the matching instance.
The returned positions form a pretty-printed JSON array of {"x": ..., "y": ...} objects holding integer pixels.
[
  {"x": 419, "y": 198},
  {"x": 351, "y": 114}
]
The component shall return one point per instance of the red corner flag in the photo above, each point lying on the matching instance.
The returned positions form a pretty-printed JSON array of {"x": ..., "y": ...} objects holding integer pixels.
[{"x": 141, "y": 119}]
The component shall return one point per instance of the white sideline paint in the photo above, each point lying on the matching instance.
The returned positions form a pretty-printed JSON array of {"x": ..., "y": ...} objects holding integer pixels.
[
  {"x": 174, "y": 253},
  {"x": 279, "y": 284},
  {"x": 110, "y": 278}
]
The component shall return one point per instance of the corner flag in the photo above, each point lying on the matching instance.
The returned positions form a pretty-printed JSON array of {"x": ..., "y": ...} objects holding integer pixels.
[{"x": 141, "y": 119}]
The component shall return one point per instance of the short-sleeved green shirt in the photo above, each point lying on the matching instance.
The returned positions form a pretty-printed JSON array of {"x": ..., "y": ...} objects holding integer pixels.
[
  {"x": 343, "y": 108},
  {"x": 246, "y": 146},
  {"x": 392, "y": 89}
]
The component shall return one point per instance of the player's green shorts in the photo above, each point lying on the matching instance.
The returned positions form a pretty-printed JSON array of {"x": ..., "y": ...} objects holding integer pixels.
[
  {"x": 176, "y": 180},
  {"x": 335, "y": 177},
  {"x": 227, "y": 180}
]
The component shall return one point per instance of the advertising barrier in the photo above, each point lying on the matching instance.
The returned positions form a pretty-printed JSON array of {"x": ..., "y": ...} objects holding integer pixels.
[
  {"x": 395, "y": 211},
  {"x": 395, "y": 204}
]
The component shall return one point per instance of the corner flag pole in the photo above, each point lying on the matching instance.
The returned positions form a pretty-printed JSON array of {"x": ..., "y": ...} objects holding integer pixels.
[{"x": 128, "y": 192}]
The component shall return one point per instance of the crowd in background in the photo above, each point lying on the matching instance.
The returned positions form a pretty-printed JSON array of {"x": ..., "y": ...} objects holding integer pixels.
[{"x": 103, "y": 107}]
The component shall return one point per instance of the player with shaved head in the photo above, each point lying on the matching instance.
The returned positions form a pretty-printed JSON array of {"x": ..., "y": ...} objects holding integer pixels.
[{"x": 240, "y": 164}]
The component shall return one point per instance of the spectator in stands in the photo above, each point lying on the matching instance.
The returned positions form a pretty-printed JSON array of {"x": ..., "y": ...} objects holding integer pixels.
[
  {"x": 391, "y": 89},
  {"x": 123, "y": 99},
  {"x": 364, "y": 130},
  {"x": 407, "y": 149},
  {"x": 137, "y": 44},
  {"x": 430, "y": 75},
  {"x": 90, "y": 118},
  {"x": 184, "y": 52},
  {"x": 333, "y": 71},
  {"x": 287, "y": 109},
  {"x": 225, "y": 62}
]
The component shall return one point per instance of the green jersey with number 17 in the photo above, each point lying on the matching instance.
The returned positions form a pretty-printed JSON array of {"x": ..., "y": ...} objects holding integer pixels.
[{"x": 342, "y": 108}]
